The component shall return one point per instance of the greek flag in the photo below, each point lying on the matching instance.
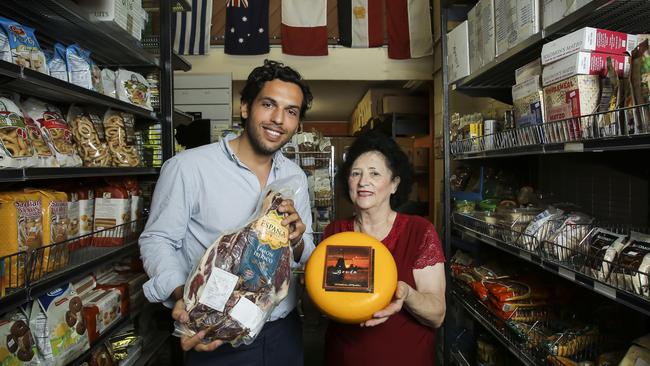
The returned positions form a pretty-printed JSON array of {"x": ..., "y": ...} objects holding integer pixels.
[{"x": 191, "y": 30}]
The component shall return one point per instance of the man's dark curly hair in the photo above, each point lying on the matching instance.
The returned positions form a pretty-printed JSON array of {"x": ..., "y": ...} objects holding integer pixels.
[
  {"x": 398, "y": 163},
  {"x": 272, "y": 70}
]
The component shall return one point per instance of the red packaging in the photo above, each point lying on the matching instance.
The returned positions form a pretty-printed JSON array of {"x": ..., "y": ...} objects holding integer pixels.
[
  {"x": 112, "y": 208},
  {"x": 113, "y": 283},
  {"x": 101, "y": 310}
]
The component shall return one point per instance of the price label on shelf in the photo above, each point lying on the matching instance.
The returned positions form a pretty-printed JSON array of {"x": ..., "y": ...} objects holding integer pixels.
[
  {"x": 574, "y": 147},
  {"x": 605, "y": 290},
  {"x": 567, "y": 274}
]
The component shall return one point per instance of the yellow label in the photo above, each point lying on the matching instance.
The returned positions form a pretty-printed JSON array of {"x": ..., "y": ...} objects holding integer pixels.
[
  {"x": 359, "y": 12},
  {"x": 271, "y": 231}
]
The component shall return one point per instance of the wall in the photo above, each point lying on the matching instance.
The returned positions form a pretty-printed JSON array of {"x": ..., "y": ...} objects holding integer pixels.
[{"x": 341, "y": 64}]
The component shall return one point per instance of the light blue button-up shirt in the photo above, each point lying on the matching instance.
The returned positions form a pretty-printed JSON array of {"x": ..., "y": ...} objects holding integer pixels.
[{"x": 201, "y": 194}]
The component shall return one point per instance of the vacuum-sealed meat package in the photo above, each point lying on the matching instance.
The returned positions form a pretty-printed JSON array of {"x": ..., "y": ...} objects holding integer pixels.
[{"x": 243, "y": 275}]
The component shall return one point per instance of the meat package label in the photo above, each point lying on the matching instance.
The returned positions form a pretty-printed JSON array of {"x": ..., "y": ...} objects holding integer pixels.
[
  {"x": 259, "y": 263},
  {"x": 217, "y": 291},
  {"x": 248, "y": 315},
  {"x": 272, "y": 232}
]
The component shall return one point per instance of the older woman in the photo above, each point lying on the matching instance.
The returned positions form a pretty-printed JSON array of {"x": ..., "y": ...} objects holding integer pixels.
[{"x": 378, "y": 177}]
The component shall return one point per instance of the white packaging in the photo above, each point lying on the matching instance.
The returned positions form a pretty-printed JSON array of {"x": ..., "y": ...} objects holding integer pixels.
[
  {"x": 482, "y": 41},
  {"x": 584, "y": 63},
  {"x": 528, "y": 102},
  {"x": 573, "y": 97},
  {"x": 108, "y": 82},
  {"x": 588, "y": 39},
  {"x": 458, "y": 52},
  {"x": 515, "y": 21},
  {"x": 528, "y": 71},
  {"x": 489, "y": 129},
  {"x": 555, "y": 10},
  {"x": 127, "y": 14},
  {"x": 133, "y": 88}
]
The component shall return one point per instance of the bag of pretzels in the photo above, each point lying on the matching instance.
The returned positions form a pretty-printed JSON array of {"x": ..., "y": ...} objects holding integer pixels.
[
  {"x": 120, "y": 136},
  {"x": 88, "y": 133},
  {"x": 55, "y": 129},
  {"x": 16, "y": 150}
]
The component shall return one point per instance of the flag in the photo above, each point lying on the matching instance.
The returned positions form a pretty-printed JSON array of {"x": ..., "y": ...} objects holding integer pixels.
[
  {"x": 191, "y": 30},
  {"x": 304, "y": 27},
  {"x": 247, "y": 27},
  {"x": 409, "y": 29},
  {"x": 361, "y": 23}
]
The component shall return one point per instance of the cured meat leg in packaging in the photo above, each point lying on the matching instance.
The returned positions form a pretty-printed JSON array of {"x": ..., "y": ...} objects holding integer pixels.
[{"x": 241, "y": 278}]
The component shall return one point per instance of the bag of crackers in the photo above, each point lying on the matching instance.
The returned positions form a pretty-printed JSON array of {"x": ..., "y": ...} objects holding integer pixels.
[
  {"x": 88, "y": 132},
  {"x": 16, "y": 150},
  {"x": 55, "y": 129},
  {"x": 120, "y": 136}
]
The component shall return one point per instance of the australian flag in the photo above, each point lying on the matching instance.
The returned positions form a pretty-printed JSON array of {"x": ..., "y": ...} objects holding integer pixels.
[{"x": 247, "y": 27}]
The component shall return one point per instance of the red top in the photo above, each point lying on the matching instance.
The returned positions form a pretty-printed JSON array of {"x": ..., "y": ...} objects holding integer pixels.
[{"x": 401, "y": 340}]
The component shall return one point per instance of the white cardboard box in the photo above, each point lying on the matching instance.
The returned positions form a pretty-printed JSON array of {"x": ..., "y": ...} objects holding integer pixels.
[
  {"x": 572, "y": 97},
  {"x": 127, "y": 14},
  {"x": 482, "y": 40},
  {"x": 528, "y": 71},
  {"x": 515, "y": 21},
  {"x": 458, "y": 52},
  {"x": 584, "y": 63},
  {"x": 555, "y": 10},
  {"x": 528, "y": 102},
  {"x": 588, "y": 39}
]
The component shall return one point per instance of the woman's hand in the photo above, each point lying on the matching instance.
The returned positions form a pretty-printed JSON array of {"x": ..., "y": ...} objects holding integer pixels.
[
  {"x": 401, "y": 293},
  {"x": 195, "y": 342}
]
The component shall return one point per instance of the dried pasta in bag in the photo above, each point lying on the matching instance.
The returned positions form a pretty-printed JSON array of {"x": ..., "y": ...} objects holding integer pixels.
[
  {"x": 133, "y": 88},
  {"x": 16, "y": 150},
  {"x": 120, "y": 137},
  {"x": 55, "y": 129},
  {"x": 88, "y": 133}
]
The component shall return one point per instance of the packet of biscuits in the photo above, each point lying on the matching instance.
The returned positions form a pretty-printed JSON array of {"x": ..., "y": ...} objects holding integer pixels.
[
  {"x": 25, "y": 50},
  {"x": 18, "y": 347},
  {"x": 88, "y": 133},
  {"x": 56, "y": 129},
  {"x": 16, "y": 150},
  {"x": 120, "y": 136}
]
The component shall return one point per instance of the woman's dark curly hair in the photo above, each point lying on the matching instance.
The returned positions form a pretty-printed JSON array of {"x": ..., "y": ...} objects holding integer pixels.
[
  {"x": 398, "y": 163},
  {"x": 272, "y": 70}
]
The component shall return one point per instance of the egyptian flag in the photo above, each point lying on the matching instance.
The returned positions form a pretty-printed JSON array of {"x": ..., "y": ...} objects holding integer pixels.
[
  {"x": 247, "y": 27},
  {"x": 409, "y": 29},
  {"x": 304, "y": 27},
  {"x": 361, "y": 23}
]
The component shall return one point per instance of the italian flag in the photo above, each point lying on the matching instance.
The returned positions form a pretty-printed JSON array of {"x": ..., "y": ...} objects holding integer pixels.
[
  {"x": 409, "y": 29},
  {"x": 361, "y": 23},
  {"x": 304, "y": 27}
]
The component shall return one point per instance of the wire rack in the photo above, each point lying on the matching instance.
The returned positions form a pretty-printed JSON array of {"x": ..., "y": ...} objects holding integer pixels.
[{"x": 623, "y": 122}]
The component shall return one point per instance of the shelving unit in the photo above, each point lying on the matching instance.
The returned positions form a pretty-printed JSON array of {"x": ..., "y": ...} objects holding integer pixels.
[{"x": 537, "y": 144}]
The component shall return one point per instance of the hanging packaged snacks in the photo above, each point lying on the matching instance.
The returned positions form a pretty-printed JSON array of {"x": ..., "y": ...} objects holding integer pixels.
[
  {"x": 16, "y": 150},
  {"x": 133, "y": 88},
  {"x": 43, "y": 155},
  {"x": 79, "y": 68},
  {"x": 5, "y": 48},
  {"x": 88, "y": 132},
  {"x": 56, "y": 130},
  {"x": 56, "y": 63},
  {"x": 108, "y": 82},
  {"x": 120, "y": 137},
  {"x": 25, "y": 50}
]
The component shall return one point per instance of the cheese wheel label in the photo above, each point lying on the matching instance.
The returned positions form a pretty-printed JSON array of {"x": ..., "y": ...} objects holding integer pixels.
[{"x": 349, "y": 269}]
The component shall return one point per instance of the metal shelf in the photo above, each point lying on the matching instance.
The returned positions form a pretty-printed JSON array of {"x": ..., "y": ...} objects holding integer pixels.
[
  {"x": 495, "y": 326},
  {"x": 459, "y": 358},
  {"x": 30, "y": 82},
  {"x": 29, "y": 174},
  {"x": 179, "y": 63},
  {"x": 497, "y": 237},
  {"x": 181, "y": 118},
  {"x": 496, "y": 78},
  {"x": 64, "y": 21}
]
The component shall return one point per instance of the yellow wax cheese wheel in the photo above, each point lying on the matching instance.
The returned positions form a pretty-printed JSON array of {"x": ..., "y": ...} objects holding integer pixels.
[{"x": 350, "y": 276}]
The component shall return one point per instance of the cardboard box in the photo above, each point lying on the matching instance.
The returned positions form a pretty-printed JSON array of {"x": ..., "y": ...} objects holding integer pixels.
[
  {"x": 528, "y": 102},
  {"x": 555, "y": 10},
  {"x": 482, "y": 41},
  {"x": 528, "y": 71},
  {"x": 125, "y": 14},
  {"x": 101, "y": 310},
  {"x": 588, "y": 39},
  {"x": 405, "y": 104},
  {"x": 370, "y": 106},
  {"x": 458, "y": 52},
  {"x": 573, "y": 97},
  {"x": 515, "y": 21},
  {"x": 584, "y": 63}
]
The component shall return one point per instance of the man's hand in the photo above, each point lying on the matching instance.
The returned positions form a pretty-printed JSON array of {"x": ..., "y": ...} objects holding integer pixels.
[
  {"x": 195, "y": 342},
  {"x": 292, "y": 220},
  {"x": 401, "y": 293}
]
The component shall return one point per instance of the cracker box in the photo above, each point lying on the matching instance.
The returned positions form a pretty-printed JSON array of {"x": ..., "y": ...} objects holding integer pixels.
[
  {"x": 101, "y": 310},
  {"x": 588, "y": 39},
  {"x": 17, "y": 346},
  {"x": 58, "y": 325},
  {"x": 528, "y": 103},
  {"x": 573, "y": 97},
  {"x": 482, "y": 42},
  {"x": 584, "y": 63},
  {"x": 458, "y": 52}
]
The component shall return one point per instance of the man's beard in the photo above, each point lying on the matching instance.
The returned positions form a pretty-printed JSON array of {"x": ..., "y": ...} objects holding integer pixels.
[{"x": 256, "y": 143}]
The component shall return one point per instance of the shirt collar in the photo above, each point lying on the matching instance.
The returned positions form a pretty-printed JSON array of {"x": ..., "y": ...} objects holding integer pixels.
[{"x": 278, "y": 158}]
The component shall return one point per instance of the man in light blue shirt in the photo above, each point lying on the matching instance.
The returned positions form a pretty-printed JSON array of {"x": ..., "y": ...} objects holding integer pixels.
[{"x": 210, "y": 190}]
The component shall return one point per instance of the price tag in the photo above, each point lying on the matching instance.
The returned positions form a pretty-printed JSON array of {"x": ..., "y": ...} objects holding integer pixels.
[
  {"x": 574, "y": 147},
  {"x": 605, "y": 290},
  {"x": 567, "y": 274}
]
